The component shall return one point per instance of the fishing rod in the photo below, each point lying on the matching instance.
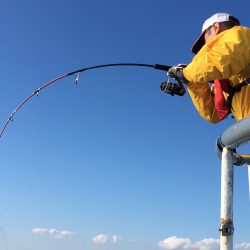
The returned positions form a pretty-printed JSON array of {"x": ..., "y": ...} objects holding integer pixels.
[{"x": 167, "y": 87}]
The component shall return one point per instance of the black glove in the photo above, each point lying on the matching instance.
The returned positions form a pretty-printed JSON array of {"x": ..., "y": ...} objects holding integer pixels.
[{"x": 176, "y": 72}]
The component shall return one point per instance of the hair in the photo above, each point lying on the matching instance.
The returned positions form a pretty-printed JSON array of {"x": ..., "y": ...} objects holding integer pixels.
[
  {"x": 231, "y": 23},
  {"x": 228, "y": 24}
]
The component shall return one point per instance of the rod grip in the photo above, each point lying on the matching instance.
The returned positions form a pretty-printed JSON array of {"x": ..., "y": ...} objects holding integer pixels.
[{"x": 162, "y": 67}]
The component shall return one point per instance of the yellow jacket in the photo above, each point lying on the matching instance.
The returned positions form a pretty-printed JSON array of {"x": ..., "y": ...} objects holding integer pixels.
[{"x": 226, "y": 56}]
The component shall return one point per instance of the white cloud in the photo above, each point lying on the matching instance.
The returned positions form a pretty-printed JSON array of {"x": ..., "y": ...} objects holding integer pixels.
[
  {"x": 206, "y": 244},
  {"x": 243, "y": 246},
  {"x": 104, "y": 239},
  {"x": 174, "y": 242},
  {"x": 53, "y": 233},
  {"x": 100, "y": 239},
  {"x": 115, "y": 238},
  {"x": 40, "y": 230}
]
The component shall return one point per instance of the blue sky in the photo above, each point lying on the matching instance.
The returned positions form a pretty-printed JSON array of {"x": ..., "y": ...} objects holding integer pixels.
[{"x": 110, "y": 163}]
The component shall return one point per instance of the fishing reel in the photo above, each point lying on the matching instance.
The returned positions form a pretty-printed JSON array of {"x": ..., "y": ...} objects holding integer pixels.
[{"x": 173, "y": 88}]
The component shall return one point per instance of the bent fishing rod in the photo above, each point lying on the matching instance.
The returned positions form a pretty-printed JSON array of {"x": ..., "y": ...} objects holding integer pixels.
[{"x": 166, "y": 86}]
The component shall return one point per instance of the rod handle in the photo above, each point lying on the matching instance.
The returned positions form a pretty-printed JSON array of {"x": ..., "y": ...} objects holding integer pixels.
[{"x": 162, "y": 67}]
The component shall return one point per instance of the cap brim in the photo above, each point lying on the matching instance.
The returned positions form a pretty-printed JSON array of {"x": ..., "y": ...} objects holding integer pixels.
[{"x": 198, "y": 43}]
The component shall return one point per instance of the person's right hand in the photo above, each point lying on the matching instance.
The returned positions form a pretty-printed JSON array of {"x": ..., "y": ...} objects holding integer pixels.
[{"x": 176, "y": 72}]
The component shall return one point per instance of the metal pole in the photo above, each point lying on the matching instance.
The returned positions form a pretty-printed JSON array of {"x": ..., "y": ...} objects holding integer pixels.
[{"x": 226, "y": 223}]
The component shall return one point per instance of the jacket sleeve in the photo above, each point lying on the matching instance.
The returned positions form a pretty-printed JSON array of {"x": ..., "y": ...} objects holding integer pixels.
[
  {"x": 203, "y": 101},
  {"x": 226, "y": 55}
]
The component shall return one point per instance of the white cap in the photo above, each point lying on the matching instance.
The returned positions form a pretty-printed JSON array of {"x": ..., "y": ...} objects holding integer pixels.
[{"x": 216, "y": 18}]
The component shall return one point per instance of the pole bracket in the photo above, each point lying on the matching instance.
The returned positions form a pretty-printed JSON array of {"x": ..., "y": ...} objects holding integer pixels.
[{"x": 226, "y": 228}]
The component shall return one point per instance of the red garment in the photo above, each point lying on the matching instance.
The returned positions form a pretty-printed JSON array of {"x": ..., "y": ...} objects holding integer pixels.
[{"x": 220, "y": 103}]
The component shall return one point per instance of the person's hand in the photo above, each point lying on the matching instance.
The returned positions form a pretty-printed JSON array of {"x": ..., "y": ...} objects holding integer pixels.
[{"x": 176, "y": 72}]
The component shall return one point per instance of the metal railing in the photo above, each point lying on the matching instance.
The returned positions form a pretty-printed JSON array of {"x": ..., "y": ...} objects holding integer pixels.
[{"x": 236, "y": 135}]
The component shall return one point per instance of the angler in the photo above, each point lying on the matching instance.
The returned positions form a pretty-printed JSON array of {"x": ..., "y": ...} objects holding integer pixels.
[{"x": 222, "y": 57}]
